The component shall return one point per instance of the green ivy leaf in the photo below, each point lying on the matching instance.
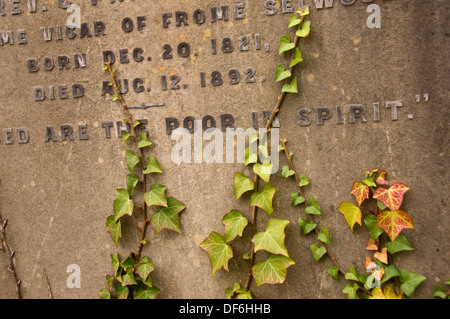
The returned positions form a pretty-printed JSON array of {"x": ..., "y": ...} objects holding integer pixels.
[
  {"x": 218, "y": 250},
  {"x": 298, "y": 58},
  {"x": 115, "y": 263},
  {"x": 371, "y": 223},
  {"x": 305, "y": 226},
  {"x": 303, "y": 181},
  {"x": 293, "y": 20},
  {"x": 115, "y": 228},
  {"x": 250, "y": 157},
  {"x": 235, "y": 224},
  {"x": 352, "y": 274},
  {"x": 144, "y": 141},
  {"x": 242, "y": 184},
  {"x": 272, "y": 240},
  {"x": 168, "y": 217},
  {"x": 122, "y": 292},
  {"x": 389, "y": 272},
  {"x": 439, "y": 292},
  {"x": 136, "y": 123},
  {"x": 285, "y": 44},
  {"x": 351, "y": 291},
  {"x": 296, "y": 199},
  {"x": 128, "y": 278},
  {"x": 263, "y": 170},
  {"x": 281, "y": 73},
  {"x": 104, "y": 294},
  {"x": 304, "y": 30},
  {"x": 291, "y": 87},
  {"x": 146, "y": 293},
  {"x": 156, "y": 196},
  {"x": 317, "y": 251},
  {"x": 333, "y": 271},
  {"x": 115, "y": 97},
  {"x": 132, "y": 181},
  {"x": 272, "y": 271},
  {"x": 125, "y": 136},
  {"x": 286, "y": 172},
  {"x": 132, "y": 160},
  {"x": 314, "y": 208},
  {"x": 399, "y": 244},
  {"x": 410, "y": 281},
  {"x": 242, "y": 293},
  {"x": 264, "y": 199},
  {"x": 152, "y": 166},
  {"x": 324, "y": 236},
  {"x": 123, "y": 205},
  {"x": 144, "y": 268}
]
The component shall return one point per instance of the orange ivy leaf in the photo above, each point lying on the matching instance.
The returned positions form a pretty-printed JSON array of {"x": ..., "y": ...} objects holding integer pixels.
[
  {"x": 382, "y": 256},
  {"x": 393, "y": 222},
  {"x": 391, "y": 197},
  {"x": 381, "y": 179},
  {"x": 372, "y": 245},
  {"x": 373, "y": 171},
  {"x": 352, "y": 213},
  {"x": 369, "y": 264},
  {"x": 360, "y": 192}
]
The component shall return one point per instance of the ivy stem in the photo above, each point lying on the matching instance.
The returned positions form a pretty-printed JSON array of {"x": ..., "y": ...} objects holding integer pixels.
[
  {"x": 140, "y": 154},
  {"x": 4, "y": 246},
  {"x": 311, "y": 219},
  {"x": 269, "y": 122}
]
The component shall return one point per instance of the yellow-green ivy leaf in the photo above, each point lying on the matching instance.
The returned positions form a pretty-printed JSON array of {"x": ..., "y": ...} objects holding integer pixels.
[
  {"x": 167, "y": 217},
  {"x": 115, "y": 228},
  {"x": 272, "y": 271},
  {"x": 235, "y": 224},
  {"x": 304, "y": 30},
  {"x": 324, "y": 236},
  {"x": 313, "y": 208},
  {"x": 298, "y": 58},
  {"x": 218, "y": 250},
  {"x": 351, "y": 212},
  {"x": 293, "y": 20},
  {"x": 152, "y": 166},
  {"x": 317, "y": 251},
  {"x": 123, "y": 205},
  {"x": 303, "y": 181},
  {"x": 272, "y": 240},
  {"x": 281, "y": 73},
  {"x": 285, "y": 44},
  {"x": 242, "y": 184},
  {"x": 132, "y": 160},
  {"x": 286, "y": 172},
  {"x": 144, "y": 268},
  {"x": 264, "y": 199},
  {"x": 156, "y": 196},
  {"x": 291, "y": 87},
  {"x": 144, "y": 141},
  {"x": 132, "y": 181},
  {"x": 296, "y": 199},
  {"x": 146, "y": 293},
  {"x": 263, "y": 170},
  {"x": 305, "y": 226}
]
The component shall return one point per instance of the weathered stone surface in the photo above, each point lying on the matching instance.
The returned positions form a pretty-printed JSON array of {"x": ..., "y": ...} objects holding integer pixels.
[{"x": 57, "y": 195}]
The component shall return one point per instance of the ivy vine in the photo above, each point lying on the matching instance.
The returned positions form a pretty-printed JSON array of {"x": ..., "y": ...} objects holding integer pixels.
[{"x": 131, "y": 279}]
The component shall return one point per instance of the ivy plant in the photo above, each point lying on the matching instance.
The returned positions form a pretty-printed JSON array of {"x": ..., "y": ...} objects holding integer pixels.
[
  {"x": 271, "y": 239},
  {"x": 131, "y": 275}
]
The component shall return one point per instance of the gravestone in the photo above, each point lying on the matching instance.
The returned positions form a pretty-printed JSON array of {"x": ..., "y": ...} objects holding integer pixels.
[{"x": 373, "y": 89}]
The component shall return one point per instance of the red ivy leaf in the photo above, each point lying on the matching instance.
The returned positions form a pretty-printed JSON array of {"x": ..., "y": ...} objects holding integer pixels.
[
  {"x": 392, "y": 197},
  {"x": 360, "y": 192},
  {"x": 393, "y": 222},
  {"x": 381, "y": 179}
]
